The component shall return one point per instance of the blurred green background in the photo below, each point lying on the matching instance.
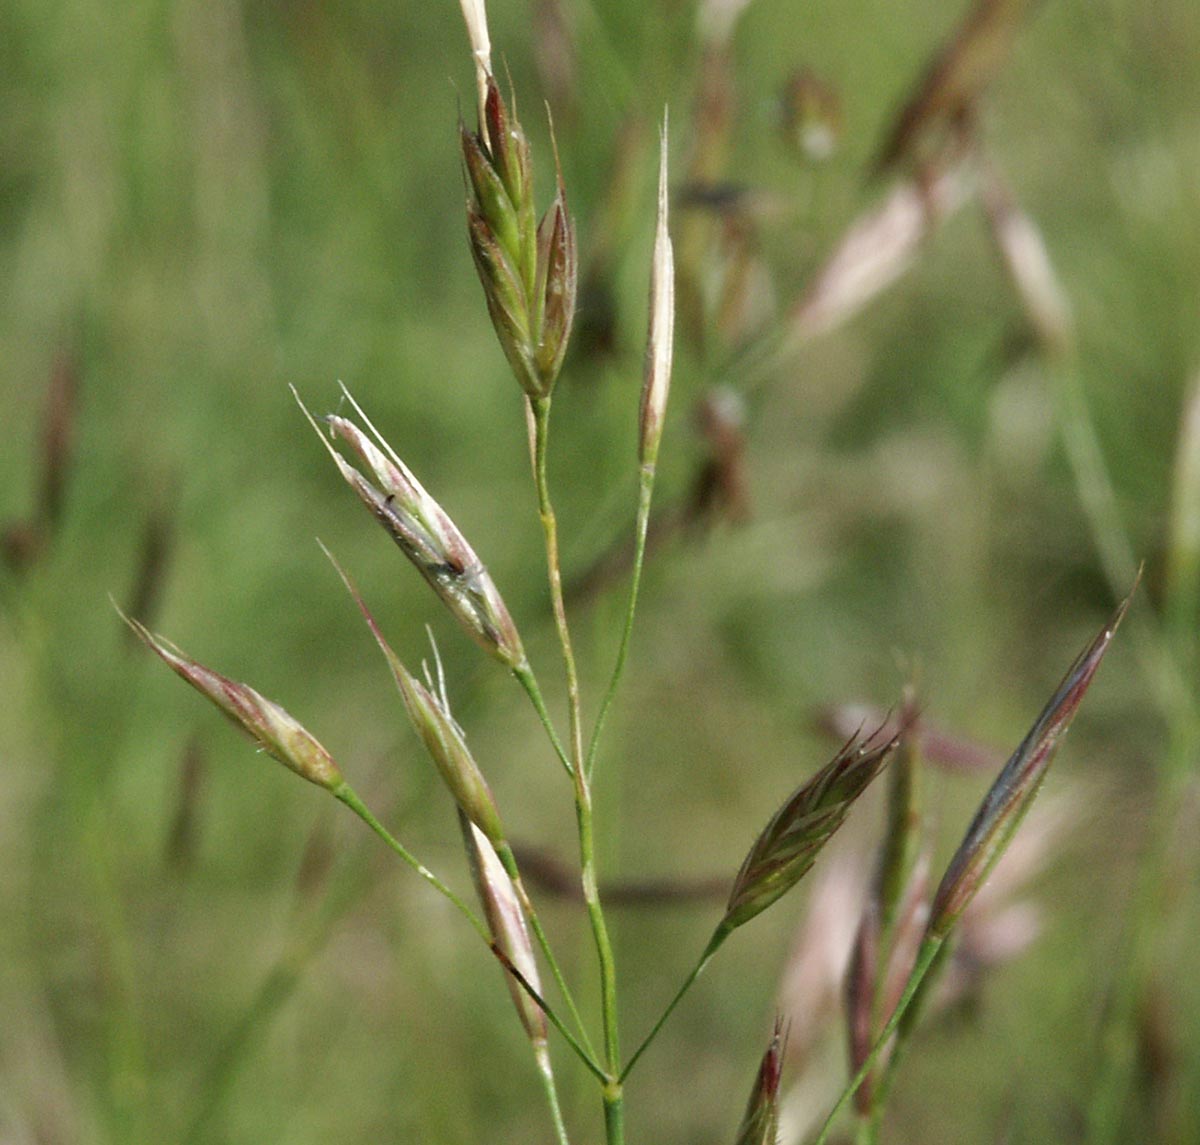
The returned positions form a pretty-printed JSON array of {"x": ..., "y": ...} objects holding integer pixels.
[{"x": 204, "y": 201}]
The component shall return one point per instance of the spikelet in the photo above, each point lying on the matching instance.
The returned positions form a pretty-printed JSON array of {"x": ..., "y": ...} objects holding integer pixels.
[
  {"x": 265, "y": 722},
  {"x": 427, "y": 536},
  {"x": 529, "y": 271},
  {"x": 787, "y": 847}
]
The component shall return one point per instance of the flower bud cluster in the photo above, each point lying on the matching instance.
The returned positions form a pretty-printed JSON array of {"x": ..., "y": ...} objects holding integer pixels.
[{"x": 528, "y": 270}]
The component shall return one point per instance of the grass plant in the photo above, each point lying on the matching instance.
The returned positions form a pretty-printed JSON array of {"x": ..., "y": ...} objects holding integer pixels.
[{"x": 581, "y": 563}]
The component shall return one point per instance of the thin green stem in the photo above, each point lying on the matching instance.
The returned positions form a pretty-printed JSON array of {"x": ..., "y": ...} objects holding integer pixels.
[
  {"x": 593, "y": 1066},
  {"x": 528, "y": 681},
  {"x": 714, "y": 944},
  {"x": 645, "y": 492},
  {"x": 867, "y": 1130},
  {"x": 542, "y": 1053},
  {"x": 613, "y": 1099},
  {"x": 591, "y": 894},
  {"x": 925, "y": 956},
  {"x": 347, "y": 795},
  {"x": 541, "y": 413},
  {"x": 901, "y": 1041}
]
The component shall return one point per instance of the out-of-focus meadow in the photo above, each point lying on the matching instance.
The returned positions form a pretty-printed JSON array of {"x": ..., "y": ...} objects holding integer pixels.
[{"x": 202, "y": 202}]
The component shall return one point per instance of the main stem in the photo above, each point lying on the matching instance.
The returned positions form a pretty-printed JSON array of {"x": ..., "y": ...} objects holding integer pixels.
[{"x": 614, "y": 1119}]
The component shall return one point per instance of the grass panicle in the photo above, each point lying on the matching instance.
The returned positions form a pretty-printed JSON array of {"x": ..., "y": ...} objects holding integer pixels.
[{"x": 884, "y": 943}]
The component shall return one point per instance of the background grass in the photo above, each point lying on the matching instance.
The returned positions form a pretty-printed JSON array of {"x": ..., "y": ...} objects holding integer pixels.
[{"x": 203, "y": 201}]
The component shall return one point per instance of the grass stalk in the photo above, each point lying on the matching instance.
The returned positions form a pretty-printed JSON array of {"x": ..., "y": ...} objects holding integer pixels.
[
  {"x": 925, "y": 958},
  {"x": 714, "y": 944},
  {"x": 528, "y": 681},
  {"x": 613, "y": 1099},
  {"x": 645, "y": 493},
  {"x": 347, "y": 795},
  {"x": 541, "y": 414},
  {"x": 542, "y": 1053}
]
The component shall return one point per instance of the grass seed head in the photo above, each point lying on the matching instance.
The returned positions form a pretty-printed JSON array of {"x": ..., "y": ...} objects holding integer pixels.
[
  {"x": 275, "y": 732},
  {"x": 760, "y": 1124},
  {"x": 506, "y": 921},
  {"x": 1012, "y": 794},
  {"x": 557, "y": 285},
  {"x": 529, "y": 270},
  {"x": 787, "y": 847},
  {"x": 426, "y": 535},
  {"x": 429, "y": 712},
  {"x": 447, "y": 747},
  {"x": 660, "y": 339}
]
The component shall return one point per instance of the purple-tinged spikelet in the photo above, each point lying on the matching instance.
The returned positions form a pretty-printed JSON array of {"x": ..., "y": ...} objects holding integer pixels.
[
  {"x": 506, "y": 921},
  {"x": 1013, "y": 792},
  {"x": 275, "y": 732},
  {"x": 529, "y": 270},
  {"x": 788, "y": 845},
  {"x": 426, "y": 535},
  {"x": 439, "y": 732},
  {"x": 760, "y": 1124}
]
